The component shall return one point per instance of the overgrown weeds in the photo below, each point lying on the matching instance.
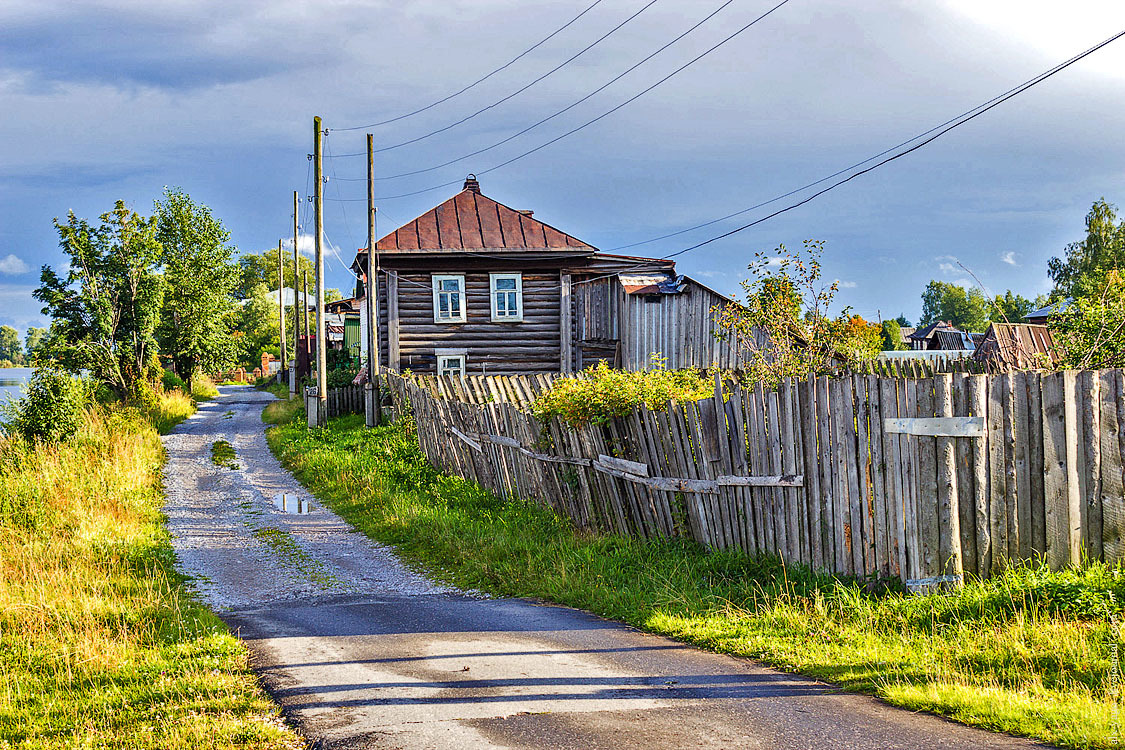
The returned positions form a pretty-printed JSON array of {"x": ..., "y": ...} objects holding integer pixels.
[
  {"x": 1029, "y": 652},
  {"x": 100, "y": 645}
]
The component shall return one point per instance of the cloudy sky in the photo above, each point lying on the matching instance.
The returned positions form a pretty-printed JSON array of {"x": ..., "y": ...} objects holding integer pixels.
[{"x": 112, "y": 100}]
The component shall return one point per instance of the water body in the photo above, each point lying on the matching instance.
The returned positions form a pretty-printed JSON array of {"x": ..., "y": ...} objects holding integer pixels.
[{"x": 11, "y": 378}]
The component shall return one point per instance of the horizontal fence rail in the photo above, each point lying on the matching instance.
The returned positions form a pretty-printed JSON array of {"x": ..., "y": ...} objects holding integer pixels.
[{"x": 920, "y": 478}]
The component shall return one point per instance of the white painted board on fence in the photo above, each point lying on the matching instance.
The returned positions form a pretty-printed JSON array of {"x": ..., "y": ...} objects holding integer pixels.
[
  {"x": 937, "y": 426},
  {"x": 502, "y": 440},
  {"x": 629, "y": 467},
  {"x": 472, "y": 443}
]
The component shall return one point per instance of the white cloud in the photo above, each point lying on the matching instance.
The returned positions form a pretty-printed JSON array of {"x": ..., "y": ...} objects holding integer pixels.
[
  {"x": 846, "y": 284},
  {"x": 1009, "y": 258},
  {"x": 13, "y": 266},
  {"x": 948, "y": 269}
]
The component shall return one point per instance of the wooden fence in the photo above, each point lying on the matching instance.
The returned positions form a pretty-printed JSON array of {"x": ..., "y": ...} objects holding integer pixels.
[
  {"x": 918, "y": 478},
  {"x": 345, "y": 400}
]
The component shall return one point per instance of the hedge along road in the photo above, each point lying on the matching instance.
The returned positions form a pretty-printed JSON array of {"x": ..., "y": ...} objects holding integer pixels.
[{"x": 361, "y": 652}]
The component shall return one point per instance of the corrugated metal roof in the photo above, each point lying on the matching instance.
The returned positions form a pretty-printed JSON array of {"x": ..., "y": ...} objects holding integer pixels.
[
  {"x": 1018, "y": 345},
  {"x": 472, "y": 221}
]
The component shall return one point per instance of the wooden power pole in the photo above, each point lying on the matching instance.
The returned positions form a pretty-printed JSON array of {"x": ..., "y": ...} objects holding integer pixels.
[
  {"x": 318, "y": 222},
  {"x": 305, "y": 317},
  {"x": 374, "y": 409},
  {"x": 296, "y": 320},
  {"x": 281, "y": 312}
]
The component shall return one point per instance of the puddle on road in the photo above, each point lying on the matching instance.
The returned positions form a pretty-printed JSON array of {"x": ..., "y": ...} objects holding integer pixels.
[{"x": 295, "y": 504}]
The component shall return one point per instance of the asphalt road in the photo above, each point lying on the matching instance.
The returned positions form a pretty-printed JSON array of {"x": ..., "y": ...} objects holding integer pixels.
[{"x": 361, "y": 653}]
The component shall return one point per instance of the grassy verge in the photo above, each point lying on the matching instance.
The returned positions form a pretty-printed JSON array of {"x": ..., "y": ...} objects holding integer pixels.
[
  {"x": 203, "y": 388},
  {"x": 1028, "y": 652},
  {"x": 100, "y": 645}
]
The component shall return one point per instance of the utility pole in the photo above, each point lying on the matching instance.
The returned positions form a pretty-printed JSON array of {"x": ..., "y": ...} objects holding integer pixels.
[
  {"x": 281, "y": 312},
  {"x": 296, "y": 320},
  {"x": 374, "y": 409},
  {"x": 318, "y": 221}
]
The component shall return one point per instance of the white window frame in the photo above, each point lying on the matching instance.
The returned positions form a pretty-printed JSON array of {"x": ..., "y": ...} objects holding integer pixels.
[
  {"x": 446, "y": 354},
  {"x": 493, "y": 291},
  {"x": 435, "y": 282}
]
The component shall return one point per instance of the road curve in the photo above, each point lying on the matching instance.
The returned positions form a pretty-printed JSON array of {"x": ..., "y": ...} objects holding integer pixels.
[{"x": 362, "y": 653}]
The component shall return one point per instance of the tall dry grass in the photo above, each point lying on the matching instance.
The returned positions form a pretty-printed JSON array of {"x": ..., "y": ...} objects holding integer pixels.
[{"x": 100, "y": 645}]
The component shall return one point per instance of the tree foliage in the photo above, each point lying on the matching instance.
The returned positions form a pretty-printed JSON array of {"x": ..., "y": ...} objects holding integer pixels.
[
  {"x": 11, "y": 350},
  {"x": 106, "y": 307},
  {"x": 1090, "y": 332},
  {"x": 784, "y": 327},
  {"x": 966, "y": 309},
  {"x": 33, "y": 341},
  {"x": 892, "y": 336},
  {"x": 1083, "y": 269},
  {"x": 1013, "y": 308},
  {"x": 257, "y": 327},
  {"x": 200, "y": 277}
]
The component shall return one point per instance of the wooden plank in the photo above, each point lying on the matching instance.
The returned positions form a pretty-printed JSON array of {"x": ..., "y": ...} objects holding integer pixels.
[
  {"x": 964, "y": 449},
  {"x": 811, "y": 495},
  {"x": 1057, "y": 502},
  {"x": 621, "y": 464},
  {"x": 1011, "y": 500},
  {"x": 393, "y": 357},
  {"x": 928, "y": 486},
  {"x": 949, "y": 519},
  {"x": 880, "y": 527},
  {"x": 997, "y": 474},
  {"x": 1073, "y": 450},
  {"x": 826, "y": 471},
  {"x": 1021, "y": 446},
  {"x": 1033, "y": 381},
  {"x": 937, "y": 426},
  {"x": 888, "y": 397},
  {"x": 841, "y": 424},
  {"x": 1090, "y": 470},
  {"x": 777, "y": 497},
  {"x": 863, "y": 474},
  {"x": 777, "y": 480},
  {"x": 912, "y": 532},
  {"x": 565, "y": 332},
  {"x": 1112, "y": 448}
]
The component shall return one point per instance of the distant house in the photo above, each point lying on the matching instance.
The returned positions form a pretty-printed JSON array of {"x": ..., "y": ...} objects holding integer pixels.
[
  {"x": 1009, "y": 346},
  {"x": 474, "y": 286},
  {"x": 941, "y": 336},
  {"x": 1041, "y": 316}
]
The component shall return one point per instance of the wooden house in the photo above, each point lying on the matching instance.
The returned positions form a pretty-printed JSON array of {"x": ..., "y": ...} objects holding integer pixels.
[
  {"x": 474, "y": 286},
  {"x": 1012, "y": 346}
]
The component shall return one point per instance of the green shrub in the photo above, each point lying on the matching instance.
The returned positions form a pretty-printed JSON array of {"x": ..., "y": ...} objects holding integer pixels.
[
  {"x": 51, "y": 409},
  {"x": 603, "y": 393},
  {"x": 171, "y": 380}
]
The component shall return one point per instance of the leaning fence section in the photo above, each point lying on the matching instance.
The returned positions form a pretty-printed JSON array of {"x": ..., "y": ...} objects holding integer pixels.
[{"x": 919, "y": 478}]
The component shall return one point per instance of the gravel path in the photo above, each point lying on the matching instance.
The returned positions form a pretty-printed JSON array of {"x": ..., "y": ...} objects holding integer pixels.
[
  {"x": 362, "y": 653},
  {"x": 241, "y": 548}
]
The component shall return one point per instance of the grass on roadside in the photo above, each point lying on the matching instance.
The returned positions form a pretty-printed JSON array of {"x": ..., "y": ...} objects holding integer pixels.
[
  {"x": 203, "y": 388},
  {"x": 283, "y": 411},
  {"x": 100, "y": 645},
  {"x": 1028, "y": 652},
  {"x": 222, "y": 454}
]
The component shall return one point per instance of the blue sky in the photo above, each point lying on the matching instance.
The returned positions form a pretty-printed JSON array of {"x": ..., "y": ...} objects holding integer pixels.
[{"x": 117, "y": 99}]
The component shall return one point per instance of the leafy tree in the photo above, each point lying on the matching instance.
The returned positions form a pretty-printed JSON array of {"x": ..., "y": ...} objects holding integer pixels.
[
  {"x": 34, "y": 340},
  {"x": 261, "y": 268},
  {"x": 902, "y": 321},
  {"x": 966, "y": 309},
  {"x": 105, "y": 310},
  {"x": 1090, "y": 332},
  {"x": 200, "y": 277},
  {"x": 784, "y": 326},
  {"x": 257, "y": 325},
  {"x": 1013, "y": 308},
  {"x": 1083, "y": 270},
  {"x": 891, "y": 336},
  {"x": 331, "y": 295},
  {"x": 10, "y": 348}
]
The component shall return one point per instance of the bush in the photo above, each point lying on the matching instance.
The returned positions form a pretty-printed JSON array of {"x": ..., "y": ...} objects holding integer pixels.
[
  {"x": 203, "y": 388},
  {"x": 171, "y": 380},
  {"x": 51, "y": 409},
  {"x": 603, "y": 393}
]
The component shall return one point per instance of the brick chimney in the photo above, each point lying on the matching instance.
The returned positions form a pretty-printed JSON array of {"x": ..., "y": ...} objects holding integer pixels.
[{"x": 472, "y": 184}]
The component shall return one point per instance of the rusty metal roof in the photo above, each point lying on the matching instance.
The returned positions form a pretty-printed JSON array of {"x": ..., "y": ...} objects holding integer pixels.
[
  {"x": 1018, "y": 345},
  {"x": 472, "y": 221}
]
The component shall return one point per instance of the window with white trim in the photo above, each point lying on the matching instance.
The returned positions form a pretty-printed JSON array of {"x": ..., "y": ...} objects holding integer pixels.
[
  {"x": 451, "y": 364},
  {"x": 506, "y": 291},
  {"x": 449, "y": 298}
]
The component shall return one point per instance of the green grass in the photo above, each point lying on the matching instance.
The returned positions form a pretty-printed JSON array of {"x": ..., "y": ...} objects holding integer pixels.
[
  {"x": 1029, "y": 652},
  {"x": 222, "y": 454},
  {"x": 285, "y": 410},
  {"x": 101, "y": 644}
]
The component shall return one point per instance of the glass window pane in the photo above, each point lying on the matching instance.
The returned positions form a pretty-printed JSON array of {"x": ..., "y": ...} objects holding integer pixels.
[
  {"x": 505, "y": 283},
  {"x": 455, "y": 303}
]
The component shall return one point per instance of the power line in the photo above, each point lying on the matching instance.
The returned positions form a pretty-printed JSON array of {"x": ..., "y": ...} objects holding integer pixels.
[
  {"x": 980, "y": 111},
  {"x": 481, "y": 79},
  {"x": 605, "y": 114},
  {"x": 596, "y": 91},
  {"x": 515, "y": 93}
]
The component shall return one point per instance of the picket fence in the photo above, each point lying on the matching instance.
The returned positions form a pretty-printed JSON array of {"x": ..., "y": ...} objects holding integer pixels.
[
  {"x": 924, "y": 479},
  {"x": 347, "y": 399}
]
